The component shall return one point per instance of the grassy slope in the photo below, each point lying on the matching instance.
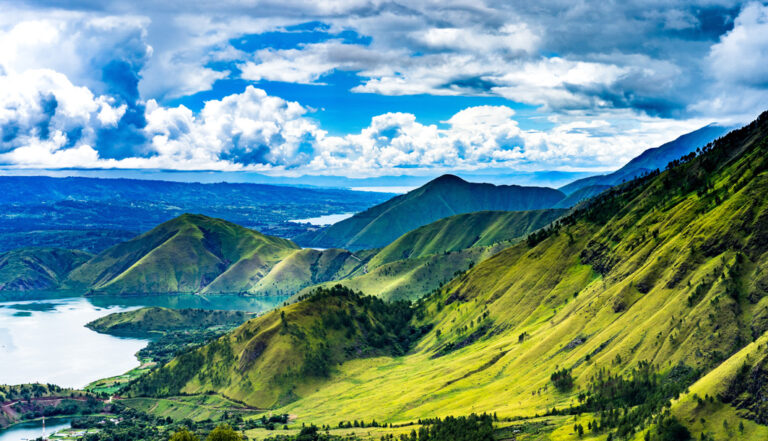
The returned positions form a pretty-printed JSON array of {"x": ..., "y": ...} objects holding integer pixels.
[
  {"x": 307, "y": 267},
  {"x": 445, "y": 196},
  {"x": 410, "y": 279},
  {"x": 145, "y": 322},
  {"x": 463, "y": 231},
  {"x": 190, "y": 253},
  {"x": 653, "y": 240},
  {"x": 28, "y": 269}
]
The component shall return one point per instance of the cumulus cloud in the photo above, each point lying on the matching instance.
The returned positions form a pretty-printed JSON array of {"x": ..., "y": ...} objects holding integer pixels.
[{"x": 90, "y": 87}]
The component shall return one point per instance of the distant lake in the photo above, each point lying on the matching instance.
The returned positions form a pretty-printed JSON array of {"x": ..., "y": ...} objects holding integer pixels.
[
  {"x": 46, "y": 341},
  {"x": 328, "y": 219},
  {"x": 33, "y": 429}
]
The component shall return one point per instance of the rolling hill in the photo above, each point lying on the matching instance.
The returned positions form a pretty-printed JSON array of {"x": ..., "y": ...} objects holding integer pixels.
[
  {"x": 37, "y": 269},
  {"x": 445, "y": 196},
  {"x": 651, "y": 159},
  {"x": 192, "y": 253},
  {"x": 643, "y": 310}
]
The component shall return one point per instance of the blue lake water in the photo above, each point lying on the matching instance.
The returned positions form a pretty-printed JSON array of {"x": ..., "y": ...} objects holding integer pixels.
[
  {"x": 328, "y": 219},
  {"x": 33, "y": 429},
  {"x": 46, "y": 340}
]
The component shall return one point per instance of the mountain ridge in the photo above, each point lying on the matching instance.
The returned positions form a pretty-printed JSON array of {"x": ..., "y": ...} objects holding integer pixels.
[{"x": 444, "y": 196}]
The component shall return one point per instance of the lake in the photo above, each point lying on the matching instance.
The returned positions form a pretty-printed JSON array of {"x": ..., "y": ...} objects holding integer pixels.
[
  {"x": 328, "y": 219},
  {"x": 46, "y": 341},
  {"x": 33, "y": 429}
]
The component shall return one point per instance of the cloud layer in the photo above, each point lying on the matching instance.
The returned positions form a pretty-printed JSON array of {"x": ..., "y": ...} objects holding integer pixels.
[{"x": 91, "y": 88}]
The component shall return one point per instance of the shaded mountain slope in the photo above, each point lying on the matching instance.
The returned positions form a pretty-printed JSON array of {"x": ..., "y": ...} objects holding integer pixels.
[
  {"x": 191, "y": 253},
  {"x": 581, "y": 195},
  {"x": 652, "y": 159},
  {"x": 30, "y": 269},
  {"x": 445, "y": 196}
]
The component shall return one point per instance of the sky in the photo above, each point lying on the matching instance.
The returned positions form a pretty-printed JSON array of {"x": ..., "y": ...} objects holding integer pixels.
[{"x": 367, "y": 89}]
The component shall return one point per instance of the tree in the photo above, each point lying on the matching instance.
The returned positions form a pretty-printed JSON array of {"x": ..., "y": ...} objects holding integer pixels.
[
  {"x": 184, "y": 435},
  {"x": 224, "y": 433}
]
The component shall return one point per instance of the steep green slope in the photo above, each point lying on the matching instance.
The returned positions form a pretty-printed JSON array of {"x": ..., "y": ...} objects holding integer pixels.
[
  {"x": 581, "y": 195},
  {"x": 410, "y": 279},
  {"x": 29, "y": 269},
  {"x": 307, "y": 267},
  {"x": 152, "y": 321},
  {"x": 277, "y": 357},
  {"x": 445, "y": 196},
  {"x": 463, "y": 231},
  {"x": 191, "y": 253},
  {"x": 610, "y": 314}
]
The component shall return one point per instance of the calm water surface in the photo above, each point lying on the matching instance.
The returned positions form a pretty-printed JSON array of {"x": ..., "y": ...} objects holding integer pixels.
[
  {"x": 34, "y": 429},
  {"x": 328, "y": 219},
  {"x": 46, "y": 341}
]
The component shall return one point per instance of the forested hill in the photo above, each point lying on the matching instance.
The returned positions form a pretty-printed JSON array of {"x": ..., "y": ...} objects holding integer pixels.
[{"x": 445, "y": 196}]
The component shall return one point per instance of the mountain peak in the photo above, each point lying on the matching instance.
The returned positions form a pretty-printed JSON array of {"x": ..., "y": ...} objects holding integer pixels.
[{"x": 447, "y": 179}]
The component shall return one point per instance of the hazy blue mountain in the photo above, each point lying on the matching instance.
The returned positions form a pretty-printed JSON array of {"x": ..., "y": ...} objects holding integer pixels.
[{"x": 652, "y": 159}]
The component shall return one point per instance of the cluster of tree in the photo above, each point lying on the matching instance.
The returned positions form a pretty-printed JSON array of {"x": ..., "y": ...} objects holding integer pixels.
[
  {"x": 30, "y": 410},
  {"x": 562, "y": 380},
  {"x": 376, "y": 325},
  {"x": 464, "y": 428},
  {"x": 356, "y": 423},
  {"x": 630, "y": 404},
  {"x": 35, "y": 390},
  {"x": 222, "y": 432},
  {"x": 174, "y": 343}
]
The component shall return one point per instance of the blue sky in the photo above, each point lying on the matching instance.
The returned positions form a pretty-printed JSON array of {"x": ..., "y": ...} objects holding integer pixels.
[{"x": 364, "y": 89}]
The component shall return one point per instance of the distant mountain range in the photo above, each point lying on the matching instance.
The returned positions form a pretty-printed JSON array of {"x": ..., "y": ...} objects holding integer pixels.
[
  {"x": 651, "y": 159},
  {"x": 445, "y": 196},
  {"x": 92, "y": 214}
]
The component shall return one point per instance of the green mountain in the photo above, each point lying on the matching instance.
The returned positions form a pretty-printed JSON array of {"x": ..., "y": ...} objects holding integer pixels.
[
  {"x": 33, "y": 269},
  {"x": 642, "y": 312},
  {"x": 651, "y": 159},
  {"x": 421, "y": 260},
  {"x": 153, "y": 321},
  {"x": 445, "y": 196},
  {"x": 454, "y": 233},
  {"x": 306, "y": 267},
  {"x": 274, "y": 358},
  {"x": 191, "y": 253}
]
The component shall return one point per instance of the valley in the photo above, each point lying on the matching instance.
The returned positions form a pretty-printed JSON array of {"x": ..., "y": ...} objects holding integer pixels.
[{"x": 622, "y": 310}]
